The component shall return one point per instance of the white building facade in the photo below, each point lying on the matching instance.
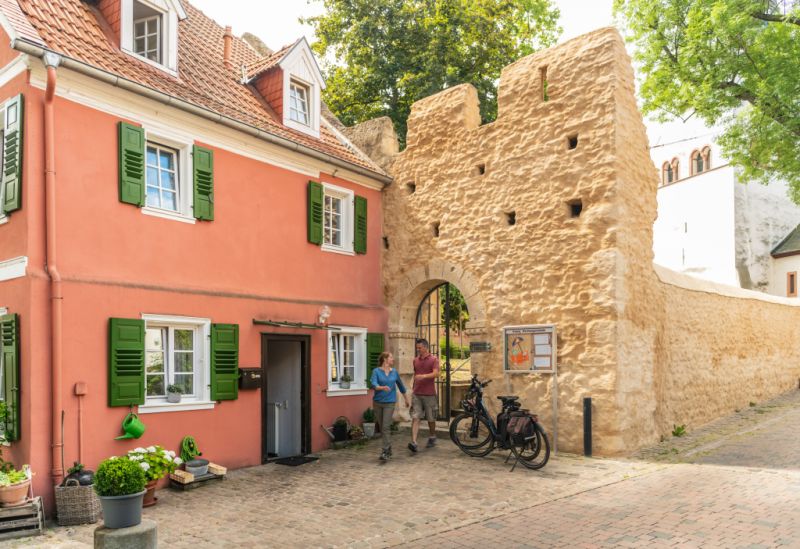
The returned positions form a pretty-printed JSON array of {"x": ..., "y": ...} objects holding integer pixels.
[{"x": 710, "y": 224}]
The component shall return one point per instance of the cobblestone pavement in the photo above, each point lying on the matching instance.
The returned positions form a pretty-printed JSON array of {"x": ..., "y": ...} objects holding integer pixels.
[{"x": 733, "y": 484}]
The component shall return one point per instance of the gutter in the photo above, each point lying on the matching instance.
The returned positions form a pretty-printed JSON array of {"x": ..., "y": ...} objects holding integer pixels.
[{"x": 27, "y": 47}]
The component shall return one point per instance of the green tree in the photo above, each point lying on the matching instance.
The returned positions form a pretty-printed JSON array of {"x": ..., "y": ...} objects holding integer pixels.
[
  {"x": 379, "y": 56},
  {"x": 458, "y": 313},
  {"x": 731, "y": 62}
]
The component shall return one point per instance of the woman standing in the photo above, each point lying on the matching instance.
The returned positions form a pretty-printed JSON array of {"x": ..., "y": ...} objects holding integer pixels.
[{"x": 385, "y": 380}]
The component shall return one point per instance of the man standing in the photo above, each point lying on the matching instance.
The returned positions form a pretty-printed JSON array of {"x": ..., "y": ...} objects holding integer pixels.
[{"x": 424, "y": 402}]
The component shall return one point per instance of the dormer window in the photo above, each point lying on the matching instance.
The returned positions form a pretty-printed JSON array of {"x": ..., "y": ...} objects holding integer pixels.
[
  {"x": 298, "y": 103},
  {"x": 149, "y": 31}
]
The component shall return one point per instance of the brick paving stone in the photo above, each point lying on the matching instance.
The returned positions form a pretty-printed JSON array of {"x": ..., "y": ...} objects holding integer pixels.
[{"x": 735, "y": 483}]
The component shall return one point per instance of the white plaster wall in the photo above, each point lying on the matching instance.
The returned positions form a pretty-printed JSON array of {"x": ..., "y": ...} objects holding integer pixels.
[
  {"x": 764, "y": 216},
  {"x": 677, "y": 140},
  {"x": 694, "y": 232},
  {"x": 780, "y": 267}
]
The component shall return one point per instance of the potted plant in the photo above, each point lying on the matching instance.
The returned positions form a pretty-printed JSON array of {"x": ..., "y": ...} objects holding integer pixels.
[
  {"x": 356, "y": 433},
  {"x": 369, "y": 423},
  {"x": 156, "y": 462},
  {"x": 344, "y": 381},
  {"x": 14, "y": 486},
  {"x": 120, "y": 483},
  {"x": 340, "y": 429},
  {"x": 173, "y": 393}
]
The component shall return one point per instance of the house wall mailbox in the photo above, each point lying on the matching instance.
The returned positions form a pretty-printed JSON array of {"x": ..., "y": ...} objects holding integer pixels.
[{"x": 250, "y": 378}]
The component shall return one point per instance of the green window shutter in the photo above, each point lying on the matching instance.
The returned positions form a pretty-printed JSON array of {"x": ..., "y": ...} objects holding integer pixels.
[
  {"x": 12, "y": 153},
  {"x": 374, "y": 350},
  {"x": 224, "y": 361},
  {"x": 9, "y": 336},
  {"x": 125, "y": 362},
  {"x": 315, "y": 199},
  {"x": 360, "y": 237},
  {"x": 131, "y": 164},
  {"x": 203, "y": 166}
]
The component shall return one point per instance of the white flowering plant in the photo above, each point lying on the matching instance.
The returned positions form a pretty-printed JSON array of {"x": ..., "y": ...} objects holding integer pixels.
[{"x": 155, "y": 461}]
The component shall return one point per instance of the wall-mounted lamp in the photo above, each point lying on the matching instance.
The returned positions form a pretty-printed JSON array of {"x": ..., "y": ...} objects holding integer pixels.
[{"x": 324, "y": 315}]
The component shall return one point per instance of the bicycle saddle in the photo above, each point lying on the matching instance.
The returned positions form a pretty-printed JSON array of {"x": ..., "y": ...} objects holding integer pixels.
[{"x": 509, "y": 398}]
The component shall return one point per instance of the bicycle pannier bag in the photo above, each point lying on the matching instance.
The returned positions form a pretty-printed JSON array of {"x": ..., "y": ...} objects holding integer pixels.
[{"x": 521, "y": 428}]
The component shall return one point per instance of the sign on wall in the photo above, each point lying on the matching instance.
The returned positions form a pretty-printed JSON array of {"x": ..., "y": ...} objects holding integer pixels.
[{"x": 530, "y": 348}]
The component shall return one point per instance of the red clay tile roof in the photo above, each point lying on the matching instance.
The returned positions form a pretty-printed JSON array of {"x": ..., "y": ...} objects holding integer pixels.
[
  {"x": 266, "y": 63},
  {"x": 71, "y": 28}
]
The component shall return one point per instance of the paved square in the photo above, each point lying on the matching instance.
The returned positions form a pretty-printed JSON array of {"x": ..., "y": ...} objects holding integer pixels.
[{"x": 734, "y": 483}]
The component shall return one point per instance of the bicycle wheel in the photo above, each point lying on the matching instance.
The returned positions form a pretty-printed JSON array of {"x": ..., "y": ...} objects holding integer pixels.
[
  {"x": 472, "y": 434},
  {"x": 535, "y": 452}
]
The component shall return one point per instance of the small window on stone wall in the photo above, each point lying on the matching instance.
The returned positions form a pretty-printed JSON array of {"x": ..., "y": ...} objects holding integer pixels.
[
  {"x": 435, "y": 229},
  {"x": 572, "y": 142},
  {"x": 480, "y": 169},
  {"x": 543, "y": 79},
  {"x": 511, "y": 217},
  {"x": 575, "y": 207},
  {"x": 411, "y": 188}
]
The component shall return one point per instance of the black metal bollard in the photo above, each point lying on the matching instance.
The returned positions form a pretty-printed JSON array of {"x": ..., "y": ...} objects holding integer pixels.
[{"x": 587, "y": 426}]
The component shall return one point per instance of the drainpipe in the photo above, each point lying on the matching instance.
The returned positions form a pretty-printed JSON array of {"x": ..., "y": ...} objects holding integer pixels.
[{"x": 52, "y": 61}]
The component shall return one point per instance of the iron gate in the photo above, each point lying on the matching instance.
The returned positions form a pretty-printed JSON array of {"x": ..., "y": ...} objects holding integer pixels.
[{"x": 434, "y": 325}]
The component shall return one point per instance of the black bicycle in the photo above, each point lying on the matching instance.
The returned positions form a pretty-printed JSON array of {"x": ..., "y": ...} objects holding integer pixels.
[{"x": 517, "y": 430}]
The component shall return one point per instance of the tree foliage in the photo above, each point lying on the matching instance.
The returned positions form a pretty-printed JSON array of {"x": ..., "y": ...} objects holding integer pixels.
[
  {"x": 379, "y": 56},
  {"x": 732, "y": 62},
  {"x": 457, "y": 312}
]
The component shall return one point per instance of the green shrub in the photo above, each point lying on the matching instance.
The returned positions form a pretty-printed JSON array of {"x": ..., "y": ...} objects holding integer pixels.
[
  {"x": 678, "y": 430},
  {"x": 369, "y": 415},
  {"x": 119, "y": 476}
]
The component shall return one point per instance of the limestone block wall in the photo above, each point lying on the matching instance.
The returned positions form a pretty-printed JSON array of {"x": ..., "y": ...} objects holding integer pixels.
[
  {"x": 721, "y": 349},
  {"x": 524, "y": 215},
  {"x": 545, "y": 216}
]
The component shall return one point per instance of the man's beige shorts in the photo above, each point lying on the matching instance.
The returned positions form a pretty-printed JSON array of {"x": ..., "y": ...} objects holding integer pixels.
[{"x": 424, "y": 406}]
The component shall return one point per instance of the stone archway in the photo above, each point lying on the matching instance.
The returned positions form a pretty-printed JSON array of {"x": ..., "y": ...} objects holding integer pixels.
[{"x": 405, "y": 298}]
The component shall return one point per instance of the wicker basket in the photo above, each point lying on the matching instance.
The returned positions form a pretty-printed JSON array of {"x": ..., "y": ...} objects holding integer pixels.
[{"x": 76, "y": 504}]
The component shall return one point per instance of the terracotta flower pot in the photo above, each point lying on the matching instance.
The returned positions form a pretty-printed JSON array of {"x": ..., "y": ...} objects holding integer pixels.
[
  {"x": 14, "y": 494},
  {"x": 150, "y": 498}
]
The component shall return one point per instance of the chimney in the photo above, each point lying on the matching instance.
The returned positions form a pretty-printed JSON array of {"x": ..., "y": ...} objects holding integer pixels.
[{"x": 228, "y": 38}]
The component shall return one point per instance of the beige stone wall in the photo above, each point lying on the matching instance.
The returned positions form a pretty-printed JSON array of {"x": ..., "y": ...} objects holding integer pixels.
[
  {"x": 546, "y": 268},
  {"x": 650, "y": 353},
  {"x": 722, "y": 348}
]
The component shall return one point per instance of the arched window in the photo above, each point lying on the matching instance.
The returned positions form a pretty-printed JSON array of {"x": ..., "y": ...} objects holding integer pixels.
[
  {"x": 706, "y": 153},
  {"x": 675, "y": 173},
  {"x": 698, "y": 164},
  {"x": 666, "y": 173}
]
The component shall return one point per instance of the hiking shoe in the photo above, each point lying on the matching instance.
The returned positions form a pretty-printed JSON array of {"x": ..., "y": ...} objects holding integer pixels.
[
  {"x": 413, "y": 447},
  {"x": 431, "y": 442},
  {"x": 384, "y": 456}
]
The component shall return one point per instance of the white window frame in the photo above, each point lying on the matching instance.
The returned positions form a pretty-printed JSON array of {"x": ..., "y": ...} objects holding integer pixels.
[
  {"x": 295, "y": 84},
  {"x": 185, "y": 212},
  {"x": 359, "y": 384},
  {"x": 169, "y": 33},
  {"x": 202, "y": 366},
  {"x": 299, "y": 66},
  {"x": 348, "y": 218},
  {"x": 3, "y": 216},
  {"x": 159, "y": 19}
]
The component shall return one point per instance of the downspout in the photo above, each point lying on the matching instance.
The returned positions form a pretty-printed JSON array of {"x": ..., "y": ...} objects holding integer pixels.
[{"x": 52, "y": 61}]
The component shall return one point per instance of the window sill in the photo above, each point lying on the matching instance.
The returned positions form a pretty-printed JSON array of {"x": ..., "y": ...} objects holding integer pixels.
[
  {"x": 175, "y": 216},
  {"x": 177, "y": 407},
  {"x": 337, "y": 250},
  {"x": 335, "y": 392},
  {"x": 166, "y": 69}
]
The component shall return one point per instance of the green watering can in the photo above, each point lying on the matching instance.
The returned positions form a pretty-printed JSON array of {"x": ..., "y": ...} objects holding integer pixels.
[{"x": 133, "y": 427}]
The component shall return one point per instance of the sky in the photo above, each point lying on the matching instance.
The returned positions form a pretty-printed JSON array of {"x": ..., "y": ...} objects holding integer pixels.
[{"x": 276, "y": 21}]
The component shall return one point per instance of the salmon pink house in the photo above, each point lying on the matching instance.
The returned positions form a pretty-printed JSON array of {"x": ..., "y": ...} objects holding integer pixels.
[{"x": 181, "y": 221}]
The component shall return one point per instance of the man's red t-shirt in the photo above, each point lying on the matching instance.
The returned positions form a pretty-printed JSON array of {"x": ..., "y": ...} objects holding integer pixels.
[{"x": 425, "y": 366}]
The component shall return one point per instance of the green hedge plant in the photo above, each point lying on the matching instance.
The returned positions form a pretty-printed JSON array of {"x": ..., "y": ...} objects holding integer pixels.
[{"x": 119, "y": 476}]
